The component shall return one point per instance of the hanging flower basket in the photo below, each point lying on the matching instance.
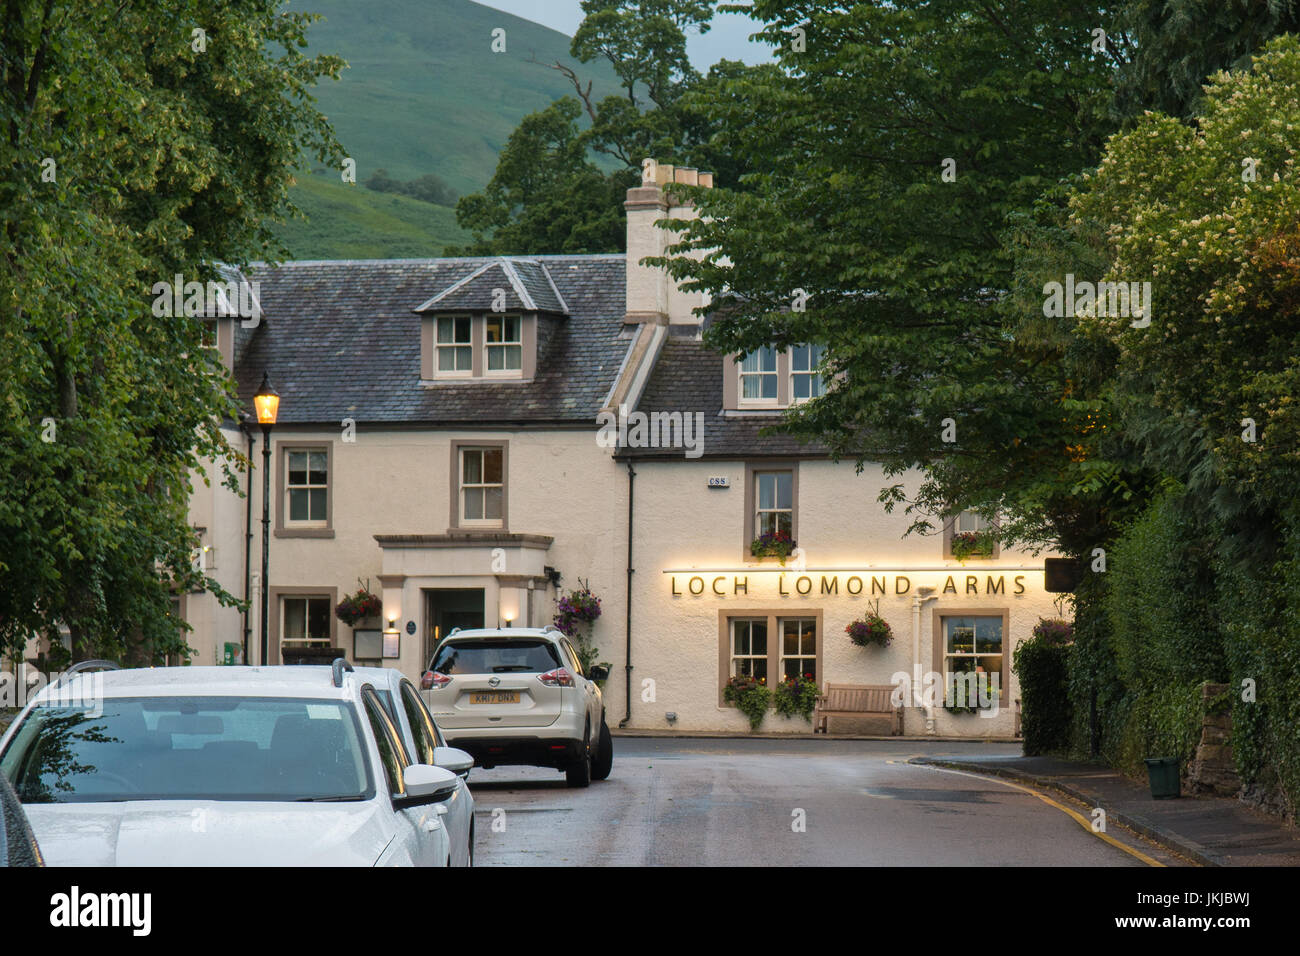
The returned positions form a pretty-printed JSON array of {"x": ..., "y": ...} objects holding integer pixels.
[
  {"x": 870, "y": 631},
  {"x": 355, "y": 607}
]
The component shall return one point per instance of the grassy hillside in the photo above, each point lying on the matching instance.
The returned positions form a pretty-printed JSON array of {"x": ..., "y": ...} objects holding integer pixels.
[
  {"x": 351, "y": 222},
  {"x": 423, "y": 93}
]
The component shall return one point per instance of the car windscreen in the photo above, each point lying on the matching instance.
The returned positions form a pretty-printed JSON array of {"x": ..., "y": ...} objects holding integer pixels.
[
  {"x": 188, "y": 748},
  {"x": 496, "y": 656}
]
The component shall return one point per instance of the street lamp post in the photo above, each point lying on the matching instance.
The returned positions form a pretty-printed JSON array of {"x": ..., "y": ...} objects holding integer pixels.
[{"x": 267, "y": 402}]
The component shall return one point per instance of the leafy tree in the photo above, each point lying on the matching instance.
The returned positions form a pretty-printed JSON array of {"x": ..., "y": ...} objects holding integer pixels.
[
  {"x": 1178, "y": 43},
  {"x": 901, "y": 142},
  {"x": 141, "y": 140},
  {"x": 563, "y": 174}
]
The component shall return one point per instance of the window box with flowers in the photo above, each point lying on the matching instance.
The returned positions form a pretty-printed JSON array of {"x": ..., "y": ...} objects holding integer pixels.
[
  {"x": 751, "y": 696},
  {"x": 796, "y": 697},
  {"x": 773, "y": 544},
  {"x": 972, "y": 544}
]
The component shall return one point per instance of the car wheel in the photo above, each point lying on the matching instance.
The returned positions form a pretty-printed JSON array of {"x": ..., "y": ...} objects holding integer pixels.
[
  {"x": 604, "y": 761},
  {"x": 579, "y": 773}
]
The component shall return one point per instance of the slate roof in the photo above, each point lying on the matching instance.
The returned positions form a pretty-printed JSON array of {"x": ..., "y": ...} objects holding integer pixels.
[
  {"x": 688, "y": 378},
  {"x": 339, "y": 340},
  {"x": 527, "y": 284}
]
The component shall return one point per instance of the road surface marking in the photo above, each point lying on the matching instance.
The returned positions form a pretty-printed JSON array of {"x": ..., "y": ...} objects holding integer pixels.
[{"x": 1078, "y": 818}]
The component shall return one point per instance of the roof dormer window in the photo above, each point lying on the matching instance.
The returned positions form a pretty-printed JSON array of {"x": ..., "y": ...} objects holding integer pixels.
[
  {"x": 758, "y": 377},
  {"x": 504, "y": 343},
  {"x": 455, "y": 345}
]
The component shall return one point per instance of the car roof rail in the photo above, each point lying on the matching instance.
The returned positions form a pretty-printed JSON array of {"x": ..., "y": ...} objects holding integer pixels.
[
  {"x": 337, "y": 668},
  {"x": 552, "y": 627},
  {"x": 92, "y": 665},
  {"x": 454, "y": 630}
]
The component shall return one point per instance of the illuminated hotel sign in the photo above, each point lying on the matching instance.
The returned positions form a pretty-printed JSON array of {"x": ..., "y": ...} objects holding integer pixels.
[{"x": 755, "y": 583}]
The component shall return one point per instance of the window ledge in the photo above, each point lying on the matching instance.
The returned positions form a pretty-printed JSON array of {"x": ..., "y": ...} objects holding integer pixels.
[
  {"x": 476, "y": 380},
  {"x": 751, "y": 412},
  {"x": 304, "y": 532}
]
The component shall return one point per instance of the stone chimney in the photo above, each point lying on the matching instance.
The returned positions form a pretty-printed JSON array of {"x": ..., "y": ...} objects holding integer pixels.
[{"x": 652, "y": 296}]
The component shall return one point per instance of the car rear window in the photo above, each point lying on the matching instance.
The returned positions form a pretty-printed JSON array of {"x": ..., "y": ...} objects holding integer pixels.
[{"x": 496, "y": 656}]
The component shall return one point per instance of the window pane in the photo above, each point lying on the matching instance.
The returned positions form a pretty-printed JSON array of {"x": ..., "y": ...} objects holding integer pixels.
[
  {"x": 297, "y": 467},
  {"x": 769, "y": 386},
  {"x": 319, "y": 498},
  {"x": 492, "y": 460},
  {"x": 758, "y": 637},
  {"x": 446, "y": 329},
  {"x": 514, "y": 357},
  {"x": 784, "y": 523},
  {"x": 463, "y": 329},
  {"x": 316, "y": 474},
  {"x": 446, "y": 360},
  {"x": 799, "y": 358},
  {"x": 750, "y": 387},
  {"x": 988, "y": 635},
  {"x": 496, "y": 358},
  {"x": 473, "y": 470},
  {"x": 295, "y": 619},
  {"x": 473, "y": 503},
  {"x": 740, "y": 637},
  {"x": 298, "y": 504},
  {"x": 802, "y": 386},
  {"x": 784, "y": 489},
  {"x": 766, "y": 492},
  {"x": 512, "y": 328},
  {"x": 961, "y": 635},
  {"x": 492, "y": 503},
  {"x": 318, "y": 615}
]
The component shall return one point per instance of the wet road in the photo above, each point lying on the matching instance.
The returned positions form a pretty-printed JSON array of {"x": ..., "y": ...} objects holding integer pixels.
[{"x": 685, "y": 802}]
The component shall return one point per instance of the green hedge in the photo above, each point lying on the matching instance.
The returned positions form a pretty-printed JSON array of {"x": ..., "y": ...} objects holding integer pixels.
[
  {"x": 1170, "y": 612},
  {"x": 1046, "y": 712}
]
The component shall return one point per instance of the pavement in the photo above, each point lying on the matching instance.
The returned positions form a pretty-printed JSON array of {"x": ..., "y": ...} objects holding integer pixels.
[
  {"x": 1212, "y": 831},
  {"x": 745, "y": 801}
]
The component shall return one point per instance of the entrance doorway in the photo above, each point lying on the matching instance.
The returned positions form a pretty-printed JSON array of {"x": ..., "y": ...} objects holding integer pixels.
[{"x": 447, "y": 608}]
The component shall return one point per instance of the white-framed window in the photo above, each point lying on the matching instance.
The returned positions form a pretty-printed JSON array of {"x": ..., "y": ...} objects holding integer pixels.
[
  {"x": 773, "y": 502},
  {"x": 454, "y": 345},
  {"x": 503, "y": 343},
  {"x": 972, "y": 654},
  {"x": 805, "y": 381},
  {"x": 970, "y": 535},
  {"x": 758, "y": 378},
  {"x": 305, "y": 619},
  {"x": 799, "y": 648},
  {"x": 749, "y": 648},
  {"x": 306, "y": 486},
  {"x": 482, "y": 486}
]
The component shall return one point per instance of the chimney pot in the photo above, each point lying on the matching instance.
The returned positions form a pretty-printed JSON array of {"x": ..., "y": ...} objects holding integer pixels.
[
  {"x": 706, "y": 179},
  {"x": 688, "y": 175}
]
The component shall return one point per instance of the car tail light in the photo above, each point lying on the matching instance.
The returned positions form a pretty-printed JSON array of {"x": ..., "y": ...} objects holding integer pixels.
[
  {"x": 432, "y": 680},
  {"x": 556, "y": 678}
]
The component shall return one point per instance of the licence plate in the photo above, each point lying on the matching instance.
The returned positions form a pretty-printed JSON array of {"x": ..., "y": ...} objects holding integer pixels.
[{"x": 494, "y": 697}]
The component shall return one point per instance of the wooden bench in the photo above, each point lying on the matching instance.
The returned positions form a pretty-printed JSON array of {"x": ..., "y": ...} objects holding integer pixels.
[{"x": 857, "y": 700}]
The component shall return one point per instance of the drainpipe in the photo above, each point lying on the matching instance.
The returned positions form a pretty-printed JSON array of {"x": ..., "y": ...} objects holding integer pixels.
[
  {"x": 244, "y": 419},
  {"x": 918, "y": 600},
  {"x": 631, "y": 484}
]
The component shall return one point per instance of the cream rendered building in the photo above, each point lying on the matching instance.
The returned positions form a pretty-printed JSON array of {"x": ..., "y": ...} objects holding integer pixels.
[{"x": 444, "y": 436}]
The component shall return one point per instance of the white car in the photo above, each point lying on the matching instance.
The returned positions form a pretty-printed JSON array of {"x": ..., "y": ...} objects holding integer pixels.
[
  {"x": 425, "y": 744},
  {"x": 518, "y": 695},
  {"x": 223, "y": 766}
]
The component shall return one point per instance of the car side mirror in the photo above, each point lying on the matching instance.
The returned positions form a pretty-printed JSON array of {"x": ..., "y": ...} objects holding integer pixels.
[
  {"x": 598, "y": 672},
  {"x": 426, "y": 784},
  {"x": 450, "y": 758}
]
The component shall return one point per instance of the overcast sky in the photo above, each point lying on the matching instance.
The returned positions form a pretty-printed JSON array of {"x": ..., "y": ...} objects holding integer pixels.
[{"x": 727, "y": 39}]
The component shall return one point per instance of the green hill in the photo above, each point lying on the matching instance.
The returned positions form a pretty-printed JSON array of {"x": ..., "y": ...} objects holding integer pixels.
[{"x": 423, "y": 93}]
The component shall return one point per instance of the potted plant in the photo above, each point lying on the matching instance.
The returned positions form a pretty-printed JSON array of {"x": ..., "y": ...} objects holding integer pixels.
[
  {"x": 357, "y": 607},
  {"x": 796, "y": 697},
  {"x": 872, "y": 630},
  {"x": 750, "y": 696},
  {"x": 773, "y": 544}
]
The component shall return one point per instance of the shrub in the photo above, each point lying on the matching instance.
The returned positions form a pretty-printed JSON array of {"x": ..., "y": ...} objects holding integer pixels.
[{"x": 1043, "y": 667}]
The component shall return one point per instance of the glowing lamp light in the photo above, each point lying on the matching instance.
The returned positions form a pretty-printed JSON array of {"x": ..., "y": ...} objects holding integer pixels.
[{"x": 267, "y": 402}]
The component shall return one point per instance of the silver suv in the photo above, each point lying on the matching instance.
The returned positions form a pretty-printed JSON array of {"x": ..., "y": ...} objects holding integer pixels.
[{"x": 518, "y": 695}]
